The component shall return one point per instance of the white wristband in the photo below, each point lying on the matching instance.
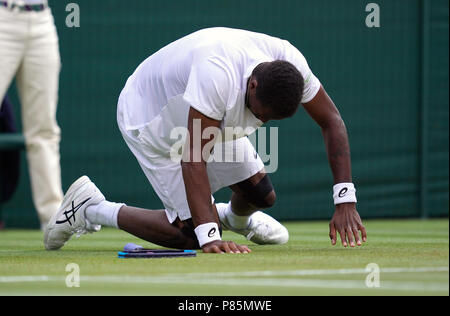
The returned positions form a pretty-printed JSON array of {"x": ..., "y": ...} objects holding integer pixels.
[
  {"x": 207, "y": 232},
  {"x": 344, "y": 193}
]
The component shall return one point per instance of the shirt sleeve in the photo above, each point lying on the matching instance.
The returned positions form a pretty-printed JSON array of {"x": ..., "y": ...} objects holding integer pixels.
[
  {"x": 207, "y": 89},
  {"x": 312, "y": 83}
]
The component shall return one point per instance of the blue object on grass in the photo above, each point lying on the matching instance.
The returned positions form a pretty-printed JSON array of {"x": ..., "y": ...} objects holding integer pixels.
[
  {"x": 131, "y": 247},
  {"x": 157, "y": 253}
]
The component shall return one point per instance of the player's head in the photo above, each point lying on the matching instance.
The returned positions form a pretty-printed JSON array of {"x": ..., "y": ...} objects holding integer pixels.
[{"x": 274, "y": 90}]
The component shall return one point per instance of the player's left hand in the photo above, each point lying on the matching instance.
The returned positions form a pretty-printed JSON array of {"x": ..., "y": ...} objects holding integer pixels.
[
  {"x": 347, "y": 222},
  {"x": 220, "y": 246}
]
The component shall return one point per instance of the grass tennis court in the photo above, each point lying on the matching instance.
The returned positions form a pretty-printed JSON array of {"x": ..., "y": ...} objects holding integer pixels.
[{"x": 413, "y": 257}]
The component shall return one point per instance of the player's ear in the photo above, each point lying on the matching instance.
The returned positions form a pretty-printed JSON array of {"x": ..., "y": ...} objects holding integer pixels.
[{"x": 253, "y": 83}]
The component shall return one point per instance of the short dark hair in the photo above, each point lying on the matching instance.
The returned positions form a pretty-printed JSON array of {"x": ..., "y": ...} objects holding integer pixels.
[{"x": 280, "y": 86}]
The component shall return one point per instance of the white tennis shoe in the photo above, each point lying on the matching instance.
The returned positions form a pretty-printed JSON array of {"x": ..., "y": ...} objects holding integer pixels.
[
  {"x": 262, "y": 228},
  {"x": 71, "y": 218}
]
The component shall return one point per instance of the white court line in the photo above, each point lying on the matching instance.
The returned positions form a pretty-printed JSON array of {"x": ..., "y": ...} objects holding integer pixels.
[
  {"x": 313, "y": 272},
  {"x": 217, "y": 279},
  {"x": 265, "y": 282},
  {"x": 28, "y": 278}
]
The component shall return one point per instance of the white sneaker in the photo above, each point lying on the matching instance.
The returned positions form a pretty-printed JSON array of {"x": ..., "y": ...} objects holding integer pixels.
[
  {"x": 262, "y": 229},
  {"x": 70, "y": 218}
]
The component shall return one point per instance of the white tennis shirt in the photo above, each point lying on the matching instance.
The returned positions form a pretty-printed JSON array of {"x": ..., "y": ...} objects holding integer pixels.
[{"x": 207, "y": 70}]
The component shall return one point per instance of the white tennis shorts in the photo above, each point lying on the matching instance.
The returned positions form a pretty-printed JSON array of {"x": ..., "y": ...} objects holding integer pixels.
[{"x": 166, "y": 176}]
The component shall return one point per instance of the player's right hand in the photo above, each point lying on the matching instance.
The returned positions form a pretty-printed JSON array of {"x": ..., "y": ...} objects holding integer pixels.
[{"x": 220, "y": 246}]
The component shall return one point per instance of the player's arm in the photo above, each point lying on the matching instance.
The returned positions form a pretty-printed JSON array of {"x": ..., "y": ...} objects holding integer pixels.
[
  {"x": 197, "y": 185},
  {"x": 346, "y": 220}
]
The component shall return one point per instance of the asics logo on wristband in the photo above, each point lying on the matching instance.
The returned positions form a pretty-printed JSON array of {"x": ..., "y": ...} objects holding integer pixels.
[
  {"x": 343, "y": 192},
  {"x": 211, "y": 232},
  {"x": 207, "y": 233}
]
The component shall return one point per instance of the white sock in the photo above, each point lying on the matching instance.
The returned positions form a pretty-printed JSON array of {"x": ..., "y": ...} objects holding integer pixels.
[
  {"x": 236, "y": 221},
  {"x": 105, "y": 213}
]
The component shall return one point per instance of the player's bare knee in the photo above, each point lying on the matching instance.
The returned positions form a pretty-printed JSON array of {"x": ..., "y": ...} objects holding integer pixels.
[
  {"x": 264, "y": 202},
  {"x": 270, "y": 199},
  {"x": 261, "y": 195}
]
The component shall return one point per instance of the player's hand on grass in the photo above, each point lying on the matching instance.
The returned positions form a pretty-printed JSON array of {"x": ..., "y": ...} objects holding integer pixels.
[
  {"x": 347, "y": 222},
  {"x": 220, "y": 246}
]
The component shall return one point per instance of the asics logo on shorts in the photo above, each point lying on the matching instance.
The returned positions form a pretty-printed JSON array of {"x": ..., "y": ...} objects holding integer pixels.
[{"x": 71, "y": 213}]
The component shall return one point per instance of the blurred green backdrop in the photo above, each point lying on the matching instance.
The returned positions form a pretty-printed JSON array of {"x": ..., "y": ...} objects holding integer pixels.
[{"x": 390, "y": 84}]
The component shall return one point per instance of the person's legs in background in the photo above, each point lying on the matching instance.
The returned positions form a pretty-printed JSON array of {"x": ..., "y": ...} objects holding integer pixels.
[
  {"x": 11, "y": 48},
  {"x": 37, "y": 81},
  {"x": 9, "y": 159},
  {"x": 11, "y": 52}
]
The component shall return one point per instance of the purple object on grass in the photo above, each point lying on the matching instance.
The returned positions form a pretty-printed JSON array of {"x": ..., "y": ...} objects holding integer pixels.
[{"x": 131, "y": 246}]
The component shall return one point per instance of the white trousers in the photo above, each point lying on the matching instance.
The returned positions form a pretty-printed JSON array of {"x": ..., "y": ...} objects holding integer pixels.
[{"x": 29, "y": 51}]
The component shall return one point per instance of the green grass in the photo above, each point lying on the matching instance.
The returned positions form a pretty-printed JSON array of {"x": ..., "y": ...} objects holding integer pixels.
[{"x": 306, "y": 265}]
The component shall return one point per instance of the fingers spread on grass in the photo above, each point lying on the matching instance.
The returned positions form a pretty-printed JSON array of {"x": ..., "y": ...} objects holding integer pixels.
[
  {"x": 218, "y": 250},
  {"x": 349, "y": 234},
  {"x": 233, "y": 247},
  {"x": 225, "y": 247},
  {"x": 363, "y": 233},
  {"x": 356, "y": 234},
  {"x": 343, "y": 237},
  {"x": 239, "y": 248},
  {"x": 212, "y": 249},
  {"x": 244, "y": 249},
  {"x": 332, "y": 234}
]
